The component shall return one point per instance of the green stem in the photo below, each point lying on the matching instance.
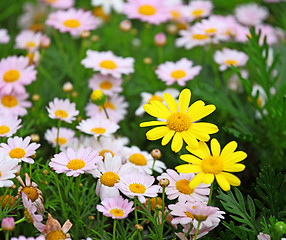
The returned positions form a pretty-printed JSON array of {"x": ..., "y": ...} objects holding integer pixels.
[
  {"x": 153, "y": 165},
  {"x": 60, "y": 194},
  {"x": 7, "y": 235},
  {"x": 30, "y": 167},
  {"x": 197, "y": 231},
  {"x": 190, "y": 229},
  {"x": 58, "y": 133},
  {"x": 77, "y": 203},
  {"x": 114, "y": 229},
  {"x": 20, "y": 220},
  {"x": 163, "y": 212},
  {"x": 211, "y": 193},
  {"x": 136, "y": 217},
  {"x": 104, "y": 109}
]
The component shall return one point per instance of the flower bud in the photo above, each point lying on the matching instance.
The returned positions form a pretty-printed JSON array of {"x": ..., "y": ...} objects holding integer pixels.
[
  {"x": 139, "y": 227},
  {"x": 95, "y": 38},
  {"x": 156, "y": 154},
  {"x": 45, "y": 172},
  {"x": 74, "y": 94},
  {"x": 85, "y": 34},
  {"x": 125, "y": 25},
  {"x": 35, "y": 137},
  {"x": 147, "y": 60},
  {"x": 280, "y": 227},
  {"x": 8, "y": 224},
  {"x": 160, "y": 39},
  {"x": 164, "y": 182},
  {"x": 91, "y": 218},
  {"x": 67, "y": 87},
  {"x": 98, "y": 97},
  {"x": 172, "y": 29},
  {"x": 45, "y": 41},
  {"x": 36, "y": 97}
]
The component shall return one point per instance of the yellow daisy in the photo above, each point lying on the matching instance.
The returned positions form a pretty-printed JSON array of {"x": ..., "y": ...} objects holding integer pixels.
[
  {"x": 217, "y": 164},
  {"x": 181, "y": 122}
]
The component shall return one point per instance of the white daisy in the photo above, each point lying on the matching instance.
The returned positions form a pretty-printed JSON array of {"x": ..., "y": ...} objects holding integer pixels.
[
  {"x": 65, "y": 135},
  {"x": 28, "y": 40},
  {"x": 7, "y": 170},
  {"x": 9, "y": 125}
]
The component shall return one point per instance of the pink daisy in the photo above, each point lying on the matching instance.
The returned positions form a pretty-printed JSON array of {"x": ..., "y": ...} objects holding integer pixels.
[
  {"x": 116, "y": 207},
  {"x": 4, "y": 36},
  {"x": 138, "y": 185},
  {"x": 228, "y": 57},
  {"x": 63, "y": 110},
  {"x": 98, "y": 127},
  {"x": 61, "y": 4},
  {"x": 14, "y": 103},
  {"x": 9, "y": 125},
  {"x": 182, "y": 211},
  {"x": 72, "y": 20},
  {"x": 7, "y": 170},
  {"x": 197, "y": 9},
  {"x": 179, "y": 187},
  {"x": 180, "y": 71},
  {"x": 154, "y": 12},
  {"x": 75, "y": 163},
  {"x": 107, "y": 84},
  {"x": 108, "y": 63},
  {"x": 15, "y": 73},
  {"x": 65, "y": 135},
  {"x": 20, "y": 148},
  {"x": 28, "y": 40}
]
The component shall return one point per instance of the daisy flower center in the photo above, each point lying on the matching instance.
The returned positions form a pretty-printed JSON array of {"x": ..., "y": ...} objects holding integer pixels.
[
  {"x": 108, "y": 64},
  {"x": 61, "y": 140},
  {"x": 31, "y": 193},
  {"x": 76, "y": 164},
  {"x": 61, "y": 113},
  {"x": 4, "y": 129},
  {"x": 188, "y": 214},
  {"x": 101, "y": 153},
  {"x": 17, "y": 153},
  {"x": 231, "y": 62},
  {"x": 109, "y": 179},
  {"x": 116, "y": 212},
  {"x": 98, "y": 130},
  {"x": 30, "y": 44},
  {"x": 201, "y": 218},
  {"x": 9, "y": 101},
  {"x": 177, "y": 74},
  {"x": 200, "y": 36},
  {"x": 137, "y": 188},
  {"x": 183, "y": 187},
  {"x": 105, "y": 85},
  {"x": 138, "y": 159},
  {"x": 72, "y": 23},
  {"x": 11, "y": 76},
  {"x": 56, "y": 235},
  {"x": 28, "y": 216},
  {"x": 212, "y": 165},
  {"x": 211, "y": 30},
  {"x": 175, "y": 14},
  {"x": 147, "y": 10},
  {"x": 178, "y": 122},
  {"x": 155, "y": 98},
  {"x": 198, "y": 12}
]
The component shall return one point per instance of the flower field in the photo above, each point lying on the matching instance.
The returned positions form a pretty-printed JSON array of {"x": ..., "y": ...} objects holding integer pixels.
[{"x": 142, "y": 119}]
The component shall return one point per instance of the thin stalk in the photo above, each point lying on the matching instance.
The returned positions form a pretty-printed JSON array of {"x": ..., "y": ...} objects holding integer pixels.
[
  {"x": 197, "y": 231},
  {"x": 163, "y": 212},
  {"x": 190, "y": 229},
  {"x": 60, "y": 194},
  {"x": 58, "y": 133},
  {"x": 153, "y": 165},
  {"x": 104, "y": 109},
  {"x": 211, "y": 193},
  {"x": 114, "y": 229},
  {"x": 20, "y": 220},
  {"x": 136, "y": 217},
  {"x": 77, "y": 183},
  {"x": 30, "y": 167}
]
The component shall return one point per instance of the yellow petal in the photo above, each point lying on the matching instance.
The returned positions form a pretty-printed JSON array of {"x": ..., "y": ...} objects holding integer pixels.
[
  {"x": 171, "y": 102},
  {"x": 222, "y": 182},
  {"x": 157, "y": 133},
  {"x": 200, "y": 135},
  {"x": 228, "y": 149},
  {"x": 202, "y": 151},
  {"x": 233, "y": 180},
  {"x": 191, "y": 159},
  {"x": 209, "y": 178},
  {"x": 152, "y": 111},
  {"x": 197, "y": 180},
  {"x": 205, "y": 111},
  {"x": 190, "y": 139},
  {"x": 234, "y": 167},
  {"x": 215, "y": 147},
  {"x": 167, "y": 137},
  {"x": 177, "y": 142},
  {"x": 188, "y": 168},
  {"x": 161, "y": 108},
  {"x": 195, "y": 108},
  {"x": 208, "y": 128},
  {"x": 152, "y": 123},
  {"x": 234, "y": 158},
  {"x": 184, "y": 100}
]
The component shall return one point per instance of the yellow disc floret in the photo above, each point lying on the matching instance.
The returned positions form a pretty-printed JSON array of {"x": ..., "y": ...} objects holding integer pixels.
[
  {"x": 147, "y": 10},
  {"x": 137, "y": 188},
  {"x": 11, "y": 76},
  {"x": 76, "y": 164},
  {"x": 183, "y": 187},
  {"x": 31, "y": 193},
  {"x": 108, "y": 64},
  {"x": 212, "y": 165},
  {"x": 116, "y": 212},
  {"x": 72, "y": 23},
  {"x": 178, "y": 122},
  {"x": 55, "y": 235},
  {"x": 138, "y": 159},
  {"x": 109, "y": 179},
  {"x": 17, "y": 153}
]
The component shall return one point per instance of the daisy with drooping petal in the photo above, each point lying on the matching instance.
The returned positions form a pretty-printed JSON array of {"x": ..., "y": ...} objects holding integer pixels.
[
  {"x": 14, "y": 103},
  {"x": 159, "y": 96},
  {"x": 9, "y": 125},
  {"x": 116, "y": 207},
  {"x": 154, "y": 12},
  {"x": 179, "y": 187},
  {"x": 180, "y": 71},
  {"x": 63, "y": 110},
  {"x": 108, "y": 63},
  {"x": 251, "y": 14},
  {"x": 65, "y": 135},
  {"x": 230, "y": 57},
  {"x": 15, "y": 74},
  {"x": 143, "y": 161},
  {"x": 74, "y": 163},
  {"x": 197, "y": 9},
  {"x": 98, "y": 127},
  {"x": 4, "y": 36},
  {"x": 138, "y": 185},
  {"x": 7, "y": 170},
  {"x": 216, "y": 164},
  {"x": 20, "y": 148},
  {"x": 107, "y": 84},
  {"x": 108, "y": 5},
  {"x": 28, "y": 40},
  {"x": 72, "y": 20},
  {"x": 180, "y": 123},
  {"x": 61, "y": 4}
]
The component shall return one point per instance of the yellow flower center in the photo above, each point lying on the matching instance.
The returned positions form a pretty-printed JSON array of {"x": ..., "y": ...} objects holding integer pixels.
[
  {"x": 137, "y": 188},
  {"x": 98, "y": 130},
  {"x": 4, "y": 129},
  {"x": 11, "y": 76},
  {"x": 178, "y": 122},
  {"x": 178, "y": 74},
  {"x": 61, "y": 113},
  {"x": 212, "y": 165},
  {"x": 109, "y": 179},
  {"x": 231, "y": 62},
  {"x": 175, "y": 14},
  {"x": 61, "y": 140},
  {"x": 30, "y": 44},
  {"x": 138, "y": 159},
  {"x": 56, "y": 235},
  {"x": 9, "y": 101},
  {"x": 188, "y": 214},
  {"x": 17, "y": 153},
  {"x": 108, "y": 64},
  {"x": 147, "y": 10},
  {"x": 183, "y": 187},
  {"x": 200, "y": 36},
  {"x": 198, "y": 13},
  {"x": 101, "y": 153},
  {"x": 31, "y": 193},
  {"x": 155, "y": 98},
  {"x": 211, "y": 30},
  {"x": 28, "y": 216},
  {"x": 105, "y": 85},
  {"x": 75, "y": 164},
  {"x": 72, "y": 23},
  {"x": 116, "y": 212}
]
